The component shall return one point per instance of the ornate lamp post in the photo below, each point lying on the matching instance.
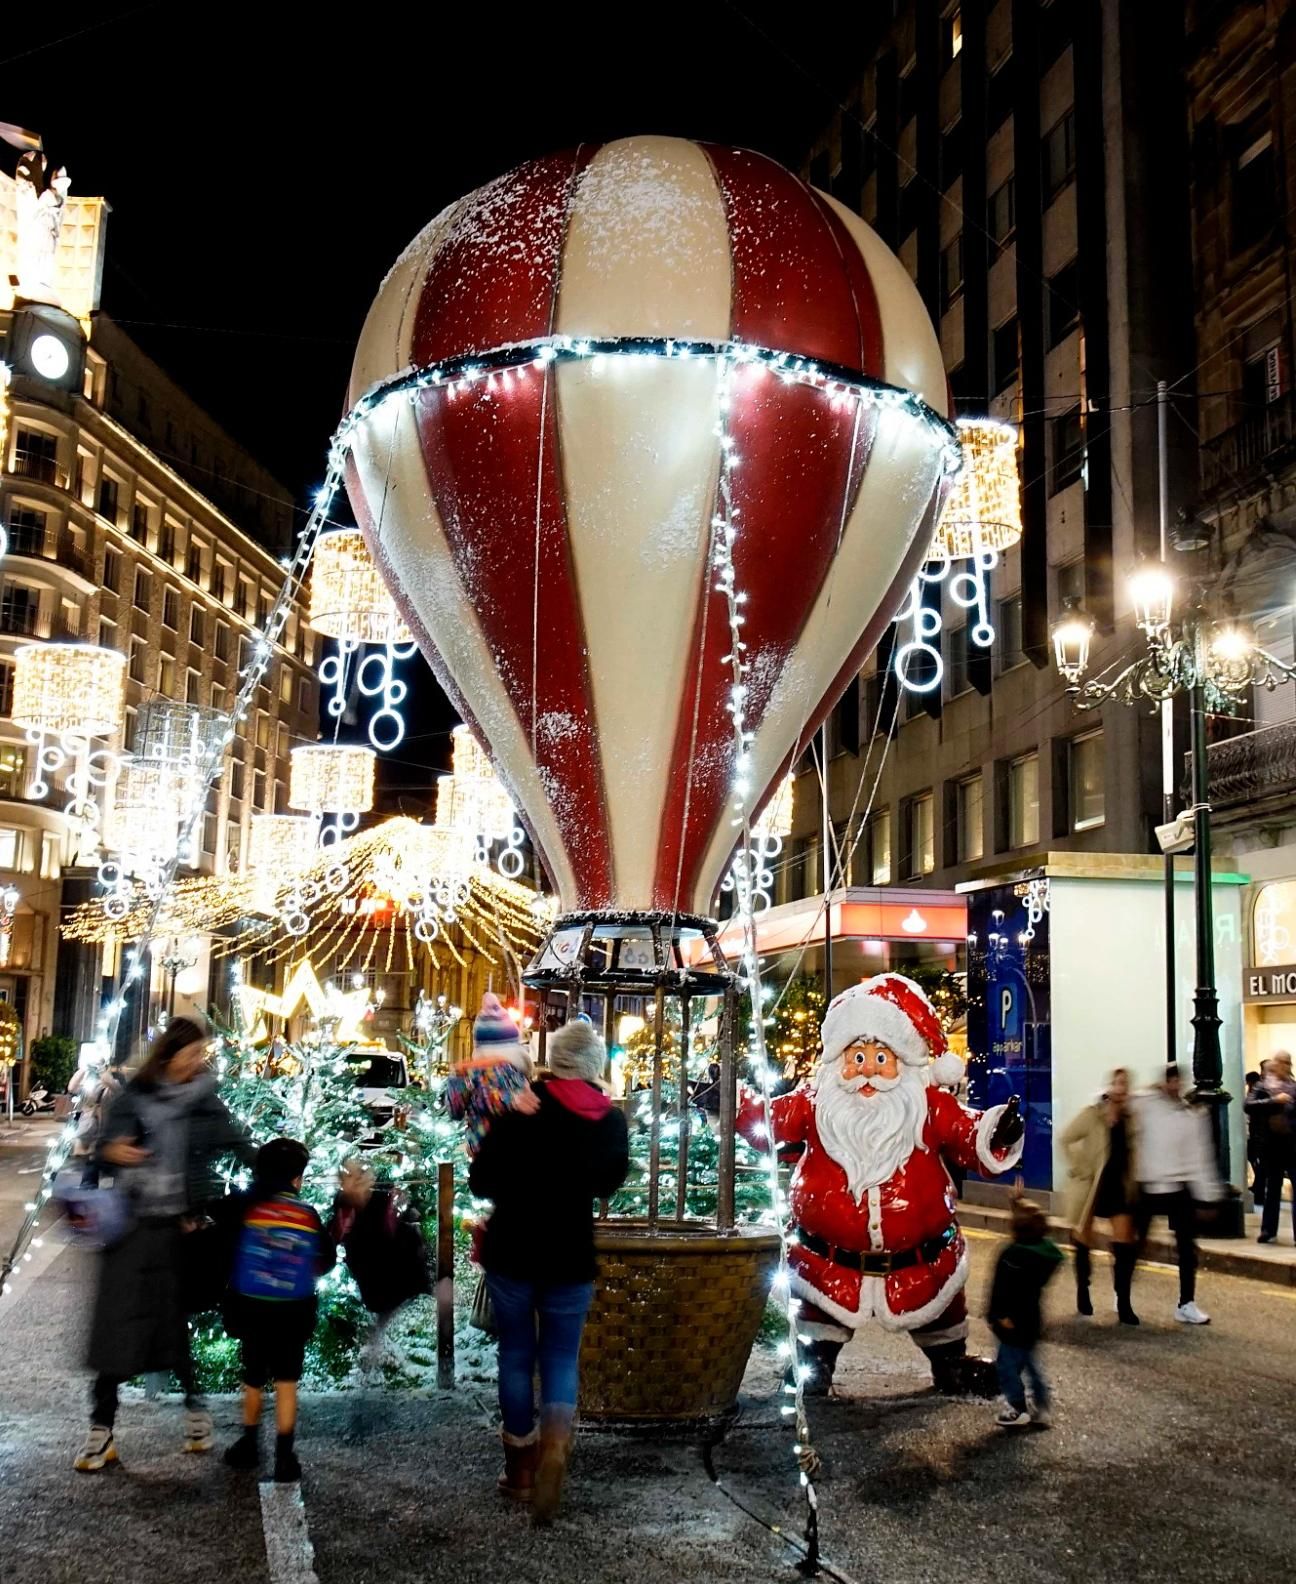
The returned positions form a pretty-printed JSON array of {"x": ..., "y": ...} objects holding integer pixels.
[{"x": 1214, "y": 664}]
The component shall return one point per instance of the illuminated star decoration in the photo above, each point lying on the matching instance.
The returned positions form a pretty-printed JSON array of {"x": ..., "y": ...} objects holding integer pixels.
[{"x": 327, "y": 1004}]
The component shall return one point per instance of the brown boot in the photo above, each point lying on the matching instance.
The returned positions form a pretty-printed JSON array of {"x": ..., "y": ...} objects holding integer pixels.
[
  {"x": 521, "y": 1453},
  {"x": 551, "y": 1470}
]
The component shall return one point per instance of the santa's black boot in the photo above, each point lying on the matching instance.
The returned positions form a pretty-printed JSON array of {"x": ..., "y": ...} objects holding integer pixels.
[
  {"x": 819, "y": 1357},
  {"x": 954, "y": 1374}
]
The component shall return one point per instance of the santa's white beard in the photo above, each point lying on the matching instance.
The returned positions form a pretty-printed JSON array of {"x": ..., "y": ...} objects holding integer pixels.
[{"x": 872, "y": 1136}]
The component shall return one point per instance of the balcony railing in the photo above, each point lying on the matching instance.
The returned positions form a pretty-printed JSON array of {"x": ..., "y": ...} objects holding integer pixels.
[
  {"x": 45, "y": 470},
  {"x": 1254, "y": 767},
  {"x": 26, "y": 621},
  {"x": 44, "y": 544},
  {"x": 1232, "y": 458}
]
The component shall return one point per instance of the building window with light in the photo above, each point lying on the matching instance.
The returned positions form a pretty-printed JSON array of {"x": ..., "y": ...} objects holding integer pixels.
[
  {"x": 1068, "y": 450},
  {"x": 1009, "y": 633},
  {"x": 166, "y": 676},
  {"x": 919, "y": 830},
  {"x": 1086, "y": 779},
  {"x": 879, "y": 848},
  {"x": 197, "y": 624},
  {"x": 951, "y": 36},
  {"x": 220, "y": 643},
  {"x": 170, "y": 609},
  {"x": 142, "y": 589},
  {"x": 1023, "y": 801},
  {"x": 970, "y": 818},
  {"x": 13, "y": 764},
  {"x": 36, "y": 456},
  {"x": 138, "y": 655},
  {"x": 10, "y": 847}
]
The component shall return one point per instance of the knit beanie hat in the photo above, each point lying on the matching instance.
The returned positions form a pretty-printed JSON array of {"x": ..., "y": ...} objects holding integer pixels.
[
  {"x": 495, "y": 1034},
  {"x": 576, "y": 1050}
]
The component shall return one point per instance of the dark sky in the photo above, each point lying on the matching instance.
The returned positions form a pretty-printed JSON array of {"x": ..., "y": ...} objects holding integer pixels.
[{"x": 267, "y": 163}]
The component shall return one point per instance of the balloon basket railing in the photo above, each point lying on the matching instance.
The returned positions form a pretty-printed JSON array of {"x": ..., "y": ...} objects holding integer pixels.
[{"x": 679, "y": 1299}]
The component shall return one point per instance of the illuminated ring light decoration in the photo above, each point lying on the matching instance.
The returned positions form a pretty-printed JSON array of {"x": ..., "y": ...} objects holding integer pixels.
[
  {"x": 751, "y": 874},
  {"x": 982, "y": 517},
  {"x": 63, "y": 696},
  {"x": 648, "y": 440},
  {"x": 350, "y": 603}
]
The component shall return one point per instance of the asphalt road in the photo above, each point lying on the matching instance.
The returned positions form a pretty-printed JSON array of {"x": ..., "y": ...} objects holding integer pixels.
[{"x": 1170, "y": 1460}]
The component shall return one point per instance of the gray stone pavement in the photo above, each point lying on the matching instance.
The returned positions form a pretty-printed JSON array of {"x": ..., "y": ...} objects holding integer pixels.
[{"x": 1170, "y": 1461}]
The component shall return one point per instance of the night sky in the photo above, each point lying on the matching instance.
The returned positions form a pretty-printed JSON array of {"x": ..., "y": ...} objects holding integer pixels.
[{"x": 265, "y": 167}]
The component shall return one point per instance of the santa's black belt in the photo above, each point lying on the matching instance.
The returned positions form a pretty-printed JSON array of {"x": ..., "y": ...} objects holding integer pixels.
[{"x": 878, "y": 1264}]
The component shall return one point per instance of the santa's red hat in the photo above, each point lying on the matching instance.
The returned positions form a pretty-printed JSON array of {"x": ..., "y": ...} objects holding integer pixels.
[{"x": 893, "y": 1011}]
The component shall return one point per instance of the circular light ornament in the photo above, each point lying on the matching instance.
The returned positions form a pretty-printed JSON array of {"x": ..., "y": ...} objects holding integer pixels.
[
  {"x": 332, "y": 778},
  {"x": 983, "y": 511},
  {"x": 49, "y": 357},
  {"x": 69, "y": 688}
]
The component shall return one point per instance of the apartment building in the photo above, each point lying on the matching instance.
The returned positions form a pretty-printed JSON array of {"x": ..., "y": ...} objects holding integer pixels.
[
  {"x": 134, "y": 523},
  {"x": 1021, "y": 158}
]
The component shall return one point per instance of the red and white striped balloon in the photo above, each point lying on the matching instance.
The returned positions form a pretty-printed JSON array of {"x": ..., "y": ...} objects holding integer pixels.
[{"x": 546, "y": 525}]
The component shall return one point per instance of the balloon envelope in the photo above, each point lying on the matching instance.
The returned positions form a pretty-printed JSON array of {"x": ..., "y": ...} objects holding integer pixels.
[{"x": 547, "y": 528}]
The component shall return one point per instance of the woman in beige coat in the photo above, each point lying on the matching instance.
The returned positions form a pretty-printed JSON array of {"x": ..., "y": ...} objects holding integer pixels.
[{"x": 1102, "y": 1185}]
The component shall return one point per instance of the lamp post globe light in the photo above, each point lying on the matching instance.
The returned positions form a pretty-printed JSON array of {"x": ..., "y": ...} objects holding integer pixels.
[{"x": 1214, "y": 664}]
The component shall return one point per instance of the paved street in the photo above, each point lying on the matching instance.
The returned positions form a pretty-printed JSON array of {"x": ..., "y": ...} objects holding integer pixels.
[{"x": 1171, "y": 1458}]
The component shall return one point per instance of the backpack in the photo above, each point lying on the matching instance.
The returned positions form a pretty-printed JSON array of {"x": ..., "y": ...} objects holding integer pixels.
[{"x": 278, "y": 1251}]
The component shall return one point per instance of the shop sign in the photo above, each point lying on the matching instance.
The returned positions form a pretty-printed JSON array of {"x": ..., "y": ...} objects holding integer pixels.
[{"x": 1270, "y": 984}]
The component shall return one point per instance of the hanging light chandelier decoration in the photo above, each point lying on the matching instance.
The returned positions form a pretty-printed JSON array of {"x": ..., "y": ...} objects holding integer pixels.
[
  {"x": 981, "y": 518},
  {"x": 332, "y": 778},
  {"x": 472, "y": 799},
  {"x": 64, "y": 696},
  {"x": 351, "y": 604}
]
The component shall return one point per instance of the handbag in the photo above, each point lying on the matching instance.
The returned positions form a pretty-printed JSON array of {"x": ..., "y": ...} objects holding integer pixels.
[
  {"x": 98, "y": 1217},
  {"x": 481, "y": 1313}
]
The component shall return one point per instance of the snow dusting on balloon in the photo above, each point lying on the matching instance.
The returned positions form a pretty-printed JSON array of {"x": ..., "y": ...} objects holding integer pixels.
[{"x": 649, "y": 439}]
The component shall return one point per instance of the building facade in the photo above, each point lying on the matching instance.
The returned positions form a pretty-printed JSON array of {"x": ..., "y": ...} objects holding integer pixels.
[
  {"x": 1242, "y": 116},
  {"x": 1014, "y": 155},
  {"x": 133, "y": 523}
]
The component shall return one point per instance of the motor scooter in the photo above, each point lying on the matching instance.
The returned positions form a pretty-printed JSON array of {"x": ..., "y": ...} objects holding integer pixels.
[{"x": 38, "y": 1101}]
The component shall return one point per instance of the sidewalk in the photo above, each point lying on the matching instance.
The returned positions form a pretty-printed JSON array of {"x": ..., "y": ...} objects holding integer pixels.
[{"x": 1264, "y": 1262}]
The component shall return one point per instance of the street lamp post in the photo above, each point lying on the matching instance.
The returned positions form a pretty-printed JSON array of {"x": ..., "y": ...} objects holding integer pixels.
[{"x": 1214, "y": 665}]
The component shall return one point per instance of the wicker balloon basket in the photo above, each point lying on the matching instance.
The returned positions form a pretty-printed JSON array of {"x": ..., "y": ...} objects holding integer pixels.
[{"x": 675, "y": 1314}]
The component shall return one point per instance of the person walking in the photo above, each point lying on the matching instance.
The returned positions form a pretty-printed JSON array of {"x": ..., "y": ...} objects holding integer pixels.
[
  {"x": 543, "y": 1172},
  {"x": 1256, "y": 1130},
  {"x": 1100, "y": 1145},
  {"x": 1274, "y": 1105},
  {"x": 1015, "y": 1315},
  {"x": 1176, "y": 1171},
  {"x": 162, "y": 1136},
  {"x": 281, "y": 1252},
  {"x": 385, "y": 1249}
]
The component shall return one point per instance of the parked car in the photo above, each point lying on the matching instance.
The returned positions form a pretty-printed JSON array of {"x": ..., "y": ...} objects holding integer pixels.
[{"x": 379, "y": 1071}]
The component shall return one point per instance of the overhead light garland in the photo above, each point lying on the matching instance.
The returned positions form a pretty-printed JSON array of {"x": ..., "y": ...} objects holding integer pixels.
[{"x": 6, "y": 408}]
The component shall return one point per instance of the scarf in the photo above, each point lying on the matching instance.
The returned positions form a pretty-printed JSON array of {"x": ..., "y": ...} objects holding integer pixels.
[
  {"x": 580, "y": 1098},
  {"x": 159, "y": 1184}
]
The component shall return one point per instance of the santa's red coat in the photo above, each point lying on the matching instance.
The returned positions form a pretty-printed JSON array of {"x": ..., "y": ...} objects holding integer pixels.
[{"x": 915, "y": 1205}]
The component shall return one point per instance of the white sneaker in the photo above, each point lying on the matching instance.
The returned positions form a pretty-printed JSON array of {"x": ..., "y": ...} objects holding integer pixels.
[
  {"x": 198, "y": 1430},
  {"x": 1011, "y": 1418},
  {"x": 1190, "y": 1314},
  {"x": 97, "y": 1449}
]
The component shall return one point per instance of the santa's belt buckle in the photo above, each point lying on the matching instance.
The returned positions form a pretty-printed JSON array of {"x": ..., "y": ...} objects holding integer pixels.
[{"x": 876, "y": 1264}]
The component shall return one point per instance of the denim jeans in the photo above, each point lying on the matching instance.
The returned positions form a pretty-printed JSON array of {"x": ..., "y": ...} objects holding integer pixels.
[
  {"x": 1013, "y": 1363},
  {"x": 553, "y": 1342}
]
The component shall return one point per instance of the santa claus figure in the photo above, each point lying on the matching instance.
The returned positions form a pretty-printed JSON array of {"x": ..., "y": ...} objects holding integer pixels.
[{"x": 874, "y": 1236}]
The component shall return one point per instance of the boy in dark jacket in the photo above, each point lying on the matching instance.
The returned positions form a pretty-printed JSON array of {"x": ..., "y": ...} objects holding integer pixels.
[
  {"x": 385, "y": 1250},
  {"x": 1024, "y": 1269},
  {"x": 282, "y": 1250}
]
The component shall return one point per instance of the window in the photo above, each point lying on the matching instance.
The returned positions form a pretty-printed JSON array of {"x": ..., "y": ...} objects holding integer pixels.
[
  {"x": 951, "y": 36},
  {"x": 221, "y": 581},
  {"x": 170, "y": 608},
  {"x": 167, "y": 675},
  {"x": 1054, "y": 33},
  {"x": 112, "y": 570},
  {"x": 1059, "y": 156},
  {"x": 139, "y": 526},
  {"x": 263, "y": 611},
  {"x": 1071, "y": 583},
  {"x": 70, "y": 618},
  {"x": 19, "y": 609},
  {"x": 909, "y": 195},
  {"x": 106, "y": 501},
  {"x": 166, "y": 545},
  {"x": 304, "y": 694},
  {"x": 236, "y": 779},
  {"x": 1068, "y": 449},
  {"x": 285, "y": 685},
  {"x": 263, "y": 730},
  {"x": 6, "y": 691},
  {"x": 51, "y": 864},
  {"x": 1010, "y": 632},
  {"x": 878, "y": 841},
  {"x": 193, "y": 687},
  {"x": 951, "y": 272},
  {"x": 999, "y": 96},
  {"x": 1253, "y": 187},
  {"x": 13, "y": 762},
  {"x": 141, "y": 600},
  {"x": 1023, "y": 801},
  {"x": 280, "y": 798},
  {"x": 1061, "y": 303},
  {"x": 920, "y": 837},
  {"x": 220, "y": 645},
  {"x": 107, "y": 633},
  {"x": 956, "y": 665},
  {"x": 1003, "y": 355},
  {"x": 1001, "y": 212},
  {"x": 197, "y": 624},
  {"x": 258, "y": 790},
  {"x": 907, "y": 94},
  {"x": 10, "y": 847},
  {"x": 193, "y": 562},
  {"x": 951, "y": 154},
  {"x": 26, "y": 531},
  {"x": 36, "y": 456},
  {"x": 970, "y": 819},
  {"x": 138, "y": 653},
  {"x": 244, "y": 653},
  {"x": 1086, "y": 781},
  {"x": 209, "y": 835},
  {"x": 243, "y": 599}
]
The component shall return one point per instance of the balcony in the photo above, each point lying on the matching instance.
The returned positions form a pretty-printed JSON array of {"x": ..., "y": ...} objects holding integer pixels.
[
  {"x": 44, "y": 544},
  {"x": 42, "y": 469},
  {"x": 1265, "y": 439},
  {"x": 1254, "y": 769},
  {"x": 26, "y": 621}
]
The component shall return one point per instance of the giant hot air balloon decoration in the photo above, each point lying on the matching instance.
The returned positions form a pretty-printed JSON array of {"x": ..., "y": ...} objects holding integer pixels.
[{"x": 638, "y": 372}]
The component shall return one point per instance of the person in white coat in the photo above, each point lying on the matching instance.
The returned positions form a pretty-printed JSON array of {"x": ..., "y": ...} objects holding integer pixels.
[{"x": 1177, "y": 1173}]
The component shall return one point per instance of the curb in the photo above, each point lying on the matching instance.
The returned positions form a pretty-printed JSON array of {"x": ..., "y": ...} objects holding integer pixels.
[{"x": 1225, "y": 1262}]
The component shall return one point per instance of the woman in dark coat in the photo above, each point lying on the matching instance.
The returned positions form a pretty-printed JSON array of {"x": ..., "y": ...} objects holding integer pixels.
[
  {"x": 161, "y": 1139},
  {"x": 544, "y": 1172}
]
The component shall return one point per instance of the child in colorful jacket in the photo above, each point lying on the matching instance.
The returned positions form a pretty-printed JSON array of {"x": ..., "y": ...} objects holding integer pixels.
[{"x": 495, "y": 1080}]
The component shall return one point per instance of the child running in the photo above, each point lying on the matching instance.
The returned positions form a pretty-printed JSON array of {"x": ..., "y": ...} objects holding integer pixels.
[
  {"x": 282, "y": 1250},
  {"x": 1025, "y": 1267}
]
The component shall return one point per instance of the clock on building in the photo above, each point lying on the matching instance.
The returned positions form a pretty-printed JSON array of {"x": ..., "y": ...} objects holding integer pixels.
[{"x": 47, "y": 344}]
